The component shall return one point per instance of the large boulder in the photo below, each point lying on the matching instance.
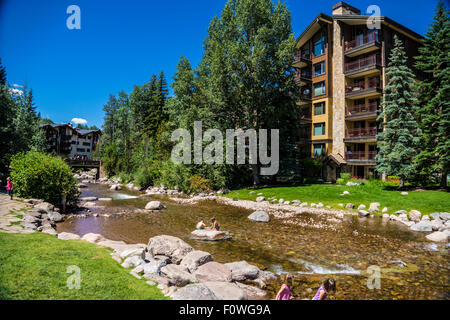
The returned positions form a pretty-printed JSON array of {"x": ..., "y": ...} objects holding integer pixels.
[
  {"x": 133, "y": 262},
  {"x": 115, "y": 187},
  {"x": 213, "y": 271},
  {"x": 55, "y": 216},
  {"x": 259, "y": 216},
  {"x": 194, "y": 259},
  {"x": 208, "y": 234},
  {"x": 242, "y": 270},
  {"x": 424, "y": 226},
  {"x": 44, "y": 207},
  {"x": 177, "y": 274},
  {"x": 252, "y": 292},
  {"x": 68, "y": 236},
  {"x": 154, "y": 267},
  {"x": 194, "y": 292},
  {"x": 172, "y": 247},
  {"x": 93, "y": 237},
  {"x": 415, "y": 215},
  {"x": 438, "y": 236},
  {"x": 154, "y": 205},
  {"x": 226, "y": 290},
  {"x": 132, "y": 251}
]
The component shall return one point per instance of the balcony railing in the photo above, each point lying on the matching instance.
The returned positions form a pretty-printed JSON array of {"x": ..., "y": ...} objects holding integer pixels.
[
  {"x": 363, "y": 85},
  {"x": 362, "y": 63},
  {"x": 362, "y": 108},
  {"x": 302, "y": 55},
  {"x": 370, "y": 38},
  {"x": 361, "y": 132},
  {"x": 360, "y": 155},
  {"x": 303, "y": 76}
]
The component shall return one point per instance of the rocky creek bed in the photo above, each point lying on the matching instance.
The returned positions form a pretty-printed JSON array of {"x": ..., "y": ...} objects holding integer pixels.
[{"x": 309, "y": 243}]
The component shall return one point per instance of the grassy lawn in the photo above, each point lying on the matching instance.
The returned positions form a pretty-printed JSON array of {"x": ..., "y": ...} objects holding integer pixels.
[
  {"x": 34, "y": 266},
  {"x": 424, "y": 201}
]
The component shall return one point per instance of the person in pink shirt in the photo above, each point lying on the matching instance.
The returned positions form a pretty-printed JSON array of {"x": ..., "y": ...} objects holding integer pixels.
[
  {"x": 285, "y": 290},
  {"x": 9, "y": 187}
]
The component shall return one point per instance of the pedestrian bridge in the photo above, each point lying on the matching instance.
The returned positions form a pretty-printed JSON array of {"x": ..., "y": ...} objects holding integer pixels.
[{"x": 85, "y": 164}]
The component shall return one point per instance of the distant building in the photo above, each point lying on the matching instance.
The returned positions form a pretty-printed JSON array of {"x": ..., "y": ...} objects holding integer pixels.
[
  {"x": 341, "y": 71},
  {"x": 70, "y": 142}
]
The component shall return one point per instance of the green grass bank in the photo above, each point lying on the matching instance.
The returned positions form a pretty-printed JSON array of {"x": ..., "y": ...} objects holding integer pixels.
[{"x": 34, "y": 266}]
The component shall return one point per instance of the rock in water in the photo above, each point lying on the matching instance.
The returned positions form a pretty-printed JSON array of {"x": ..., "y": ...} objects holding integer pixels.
[
  {"x": 213, "y": 271},
  {"x": 195, "y": 292},
  {"x": 154, "y": 205},
  {"x": 438, "y": 236},
  {"x": 194, "y": 259},
  {"x": 424, "y": 226},
  {"x": 211, "y": 235},
  {"x": 260, "y": 216},
  {"x": 172, "y": 247}
]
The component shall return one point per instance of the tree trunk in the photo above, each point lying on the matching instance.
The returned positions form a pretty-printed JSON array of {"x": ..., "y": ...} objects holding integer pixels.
[
  {"x": 402, "y": 182},
  {"x": 255, "y": 174},
  {"x": 444, "y": 179}
]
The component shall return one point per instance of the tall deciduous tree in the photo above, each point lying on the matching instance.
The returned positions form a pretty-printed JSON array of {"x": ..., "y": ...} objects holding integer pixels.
[
  {"x": 434, "y": 114},
  {"x": 398, "y": 141}
]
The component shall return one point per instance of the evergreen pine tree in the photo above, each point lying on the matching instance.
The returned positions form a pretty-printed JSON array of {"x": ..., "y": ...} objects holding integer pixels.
[
  {"x": 2, "y": 74},
  {"x": 434, "y": 114},
  {"x": 398, "y": 141}
]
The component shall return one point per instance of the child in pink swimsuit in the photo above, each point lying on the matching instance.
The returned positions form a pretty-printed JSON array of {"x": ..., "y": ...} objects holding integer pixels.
[
  {"x": 9, "y": 187},
  {"x": 285, "y": 290},
  {"x": 322, "y": 292}
]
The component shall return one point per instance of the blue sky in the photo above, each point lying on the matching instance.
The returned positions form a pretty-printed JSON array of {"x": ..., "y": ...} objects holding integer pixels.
[{"x": 121, "y": 43}]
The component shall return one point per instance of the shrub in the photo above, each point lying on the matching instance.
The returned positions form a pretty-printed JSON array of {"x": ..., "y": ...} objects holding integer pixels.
[
  {"x": 37, "y": 175},
  {"x": 174, "y": 175},
  {"x": 145, "y": 178},
  {"x": 311, "y": 167},
  {"x": 341, "y": 181},
  {"x": 345, "y": 176},
  {"x": 199, "y": 184}
]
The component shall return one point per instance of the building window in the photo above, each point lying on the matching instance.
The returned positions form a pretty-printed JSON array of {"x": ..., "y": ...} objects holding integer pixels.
[
  {"x": 319, "y": 129},
  {"x": 319, "y": 88},
  {"x": 80, "y": 150},
  {"x": 319, "y": 149},
  {"x": 319, "y": 108},
  {"x": 319, "y": 44},
  {"x": 319, "y": 68},
  {"x": 87, "y": 150}
]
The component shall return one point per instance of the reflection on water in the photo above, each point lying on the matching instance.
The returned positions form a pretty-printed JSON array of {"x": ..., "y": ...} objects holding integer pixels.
[{"x": 311, "y": 254}]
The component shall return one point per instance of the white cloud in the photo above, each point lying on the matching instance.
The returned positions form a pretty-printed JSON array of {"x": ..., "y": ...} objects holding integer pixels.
[
  {"x": 15, "y": 85},
  {"x": 78, "y": 121},
  {"x": 15, "y": 92}
]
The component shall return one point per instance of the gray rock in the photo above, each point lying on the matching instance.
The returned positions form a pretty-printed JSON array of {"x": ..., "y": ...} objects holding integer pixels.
[
  {"x": 320, "y": 205},
  {"x": 363, "y": 213},
  {"x": 132, "y": 251},
  {"x": 242, "y": 270},
  {"x": 105, "y": 199},
  {"x": 267, "y": 276},
  {"x": 35, "y": 214},
  {"x": 226, "y": 290},
  {"x": 88, "y": 198},
  {"x": 403, "y": 217},
  {"x": 385, "y": 216},
  {"x": 134, "y": 261},
  {"x": 304, "y": 204},
  {"x": 296, "y": 202},
  {"x": 50, "y": 231},
  {"x": 138, "y": 269},
  {"x": 438, "y": 236},
  {"x": 260, "y": 199},
  {"x": 154, "y": 267},
  {"x": 68, "y": 236},
  {"x": 415, "y": 215},
  {"x": 361, "y": 207},
  {"x": 252, "y": 292},
  {"x": 31, "y": 219},
  {"x": 259, "y": 216},
  {"x": 213, "y": 271},
  {"x": 195, "y": 292},
  {"x": 158, "y": 279},
  {"x": 404, "y": 193},
  {"x": 425, "y": 218},
  {"x": 373, "y": 207},
  {"x": 385, "y": 210},
  {"x": 208, "y": 234},
  {"x": 349, "y": 206},
  {"x": 154, "y": 205},
  {"x": 424, "y": 226},
  {"x": 28, "y": 225},
  {"x": 172, "y": 247},
  {"x": 436, "y": 225},
  {"x": 435, "y": 215},
  {"x": 177, "y": 274},
  {"x": 444, "y": 216},
  {"x": 400, "y": 211},
  {"x": 44, "y": 207},
  {"x": 93, "y": 237},
  {"x": 194, "y": 259},
  {"x": 54, "y": 216}
]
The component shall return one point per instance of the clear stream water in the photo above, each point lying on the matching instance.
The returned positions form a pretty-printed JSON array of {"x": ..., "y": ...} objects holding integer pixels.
[{"x": 411, "y": 267}]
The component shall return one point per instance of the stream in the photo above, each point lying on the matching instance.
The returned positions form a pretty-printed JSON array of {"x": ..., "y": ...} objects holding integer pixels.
[{"x": 311, "y": 247}]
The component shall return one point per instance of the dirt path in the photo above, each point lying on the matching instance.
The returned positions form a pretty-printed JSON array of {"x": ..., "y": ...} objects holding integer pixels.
[{"x": 9, "y": 210}]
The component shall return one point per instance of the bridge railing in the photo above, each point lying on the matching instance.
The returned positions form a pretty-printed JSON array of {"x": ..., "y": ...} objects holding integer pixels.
[{"x": 79, "y": 163}]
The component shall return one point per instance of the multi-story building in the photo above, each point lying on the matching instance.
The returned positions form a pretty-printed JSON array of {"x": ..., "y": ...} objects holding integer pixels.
[
  {"x": 340, "y": 66},
  {"x": 70, "y": 142}
]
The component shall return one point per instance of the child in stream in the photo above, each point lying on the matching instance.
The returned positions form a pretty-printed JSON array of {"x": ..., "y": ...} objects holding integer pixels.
[
  {"x": 285, "y": 290},
  {"x": 9, "y": 187},
  {"x": 215, "y": 224},
  {"x": 201, "y": 225},
  {"x": 327, "y": 286}
]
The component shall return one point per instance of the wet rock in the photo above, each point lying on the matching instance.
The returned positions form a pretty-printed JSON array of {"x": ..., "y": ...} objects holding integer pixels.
[
  {"x": 154, "y": 267},
  {"x": 226, "y": 290},
  {"x": 115, "y": 187},
  {"x": 213, "y": 271},
  {"x": 195, "y": 292},
  {"x": 68, "y": 236},
  {"x": 361, "y": 207},
  {"x": 424, "y": 226},
  {"x": 415, "y": 215},
  {"x": 172, "y": 247},
  {"x": 208, "y": 234},
  {"x": 438, "y": 236},
  {"x": 242, "y": 270},
  {"x": 177, "y": 274},
  {"x": 260, "y": 216},
  {"x": 363, "y": 213},
  {"x": 154, "y": 205},
  {"x": 260, "y": 199},
  {"x": 194, "y": 259},
  {"x": 350, "y": 206}
]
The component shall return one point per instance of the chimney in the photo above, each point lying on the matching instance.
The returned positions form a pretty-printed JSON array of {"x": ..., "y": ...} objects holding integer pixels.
[{"x": 342, "y": 8}]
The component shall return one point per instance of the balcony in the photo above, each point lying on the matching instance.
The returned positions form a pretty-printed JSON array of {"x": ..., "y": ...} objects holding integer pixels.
[
  {"x": 361, "y": 111},
  {"x": 366, "y": 44},
  {"x": 363, "y": 66},
  {"x": 361, "y": 134},
  {"x": 361, "y": 157},
  {"x": 361, "y": 89},
  {"x": 302, "y": 59},
  {"x": 303, "y": 78},
  {"x": 305, "y": 95}
]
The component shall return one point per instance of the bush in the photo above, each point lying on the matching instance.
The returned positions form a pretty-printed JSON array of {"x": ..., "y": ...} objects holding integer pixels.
[
  {"x": 174, "y": 176},
  {"x": 199, "y": 184},
  {"x": 345, "y": 176},
  {"x": 311, "y": 167},
  {"x": 145, "y": 178},
  {"x": 37, "y": 175},
  {"x": 341, "y": 181}
]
